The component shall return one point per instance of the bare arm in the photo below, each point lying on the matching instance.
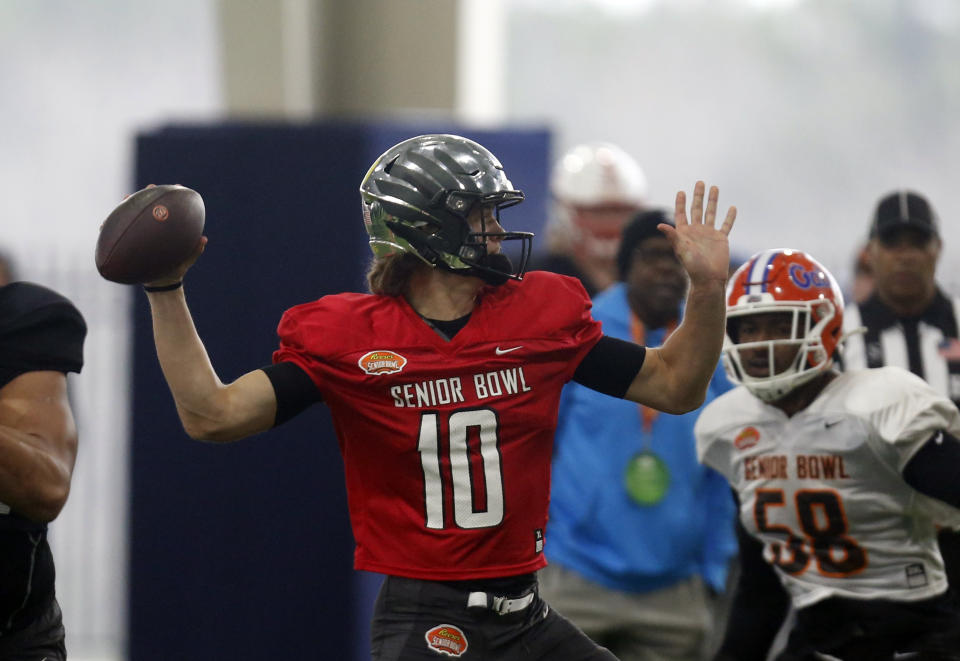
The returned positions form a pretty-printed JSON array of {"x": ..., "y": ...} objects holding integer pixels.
[
  {"x": 38, "y": 444},
  {"x": 208, "y": 409},
  {"x": 674, "y": 377}
]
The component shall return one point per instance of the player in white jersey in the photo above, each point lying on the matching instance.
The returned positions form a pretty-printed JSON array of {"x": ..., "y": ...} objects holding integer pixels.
[{"x": 842, "y": 480}]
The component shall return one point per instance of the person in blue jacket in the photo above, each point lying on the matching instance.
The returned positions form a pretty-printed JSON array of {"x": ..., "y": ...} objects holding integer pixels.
[{"x": 641, "y": 535}]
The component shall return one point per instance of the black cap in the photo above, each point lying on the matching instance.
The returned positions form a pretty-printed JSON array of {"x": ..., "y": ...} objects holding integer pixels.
[
  {"x": 640, "y": 228},
  {"x": 903, "y": 209}
]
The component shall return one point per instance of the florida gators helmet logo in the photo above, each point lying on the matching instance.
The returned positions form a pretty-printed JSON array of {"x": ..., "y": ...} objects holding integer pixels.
[{"x": 804, "y": 278}]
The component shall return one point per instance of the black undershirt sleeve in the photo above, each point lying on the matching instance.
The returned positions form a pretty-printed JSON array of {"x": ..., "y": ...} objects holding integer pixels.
[
  {"x": 933, "y": 469},
  {"x": 759, "y": 606},
  {"x": 610, "y": 366},
  {"x": 294, "y": 388}
]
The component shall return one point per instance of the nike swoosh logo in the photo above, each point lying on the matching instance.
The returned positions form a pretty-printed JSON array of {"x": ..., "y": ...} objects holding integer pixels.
[
  {"x": 500, "y": 351},
  {"x": 828, "y": 425}
]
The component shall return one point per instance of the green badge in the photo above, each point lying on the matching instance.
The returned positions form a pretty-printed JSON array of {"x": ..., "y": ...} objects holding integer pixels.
[{"x": 646, "y": 478}]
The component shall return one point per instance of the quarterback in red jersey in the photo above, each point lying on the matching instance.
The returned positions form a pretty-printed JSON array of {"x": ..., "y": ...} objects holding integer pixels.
[
  {"x": 443, "y": 385},
  {"x": 478, "y": 409}
]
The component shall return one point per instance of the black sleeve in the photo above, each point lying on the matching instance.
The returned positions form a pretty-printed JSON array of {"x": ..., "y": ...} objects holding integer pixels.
[
  {"x": 933, "y": 469},
  {"x": 39, "y": 330},
  {"x": 610, "y": 366},
  {"x": 759, "y": 606},
  {"x": 294, "y": 388}
]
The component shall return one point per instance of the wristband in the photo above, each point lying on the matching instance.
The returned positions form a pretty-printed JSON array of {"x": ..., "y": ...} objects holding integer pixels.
[{"x": 176, "y": 285}]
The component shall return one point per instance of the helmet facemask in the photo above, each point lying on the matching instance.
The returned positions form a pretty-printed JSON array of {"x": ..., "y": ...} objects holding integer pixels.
[
  {"x": 808, "y": 322},
  {"x": 454, "y": 247}
]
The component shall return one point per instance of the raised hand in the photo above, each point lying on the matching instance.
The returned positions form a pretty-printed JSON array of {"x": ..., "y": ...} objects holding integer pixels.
[{"x": 702, "y": 248}]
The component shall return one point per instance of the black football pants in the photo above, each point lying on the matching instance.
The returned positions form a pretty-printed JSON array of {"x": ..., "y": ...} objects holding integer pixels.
[
  {"x": 41, "y": 640},
  {"x": 418, "y": 620},
  {"x": 877, "y": 630}
]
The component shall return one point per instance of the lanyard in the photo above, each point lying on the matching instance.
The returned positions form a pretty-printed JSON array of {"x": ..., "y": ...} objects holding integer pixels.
[{"x": 638, "y": 333}]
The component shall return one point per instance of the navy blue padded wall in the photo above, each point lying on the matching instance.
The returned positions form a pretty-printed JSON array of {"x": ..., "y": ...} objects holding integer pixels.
[{"x": 244, "y": 551}]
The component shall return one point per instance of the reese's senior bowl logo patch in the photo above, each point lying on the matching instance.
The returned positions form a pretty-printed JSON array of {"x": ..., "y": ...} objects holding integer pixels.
[
  {"x": 381, "y": 361},
  {"x": 447, "y": 639},
  {"x": 747, "y": 438}
]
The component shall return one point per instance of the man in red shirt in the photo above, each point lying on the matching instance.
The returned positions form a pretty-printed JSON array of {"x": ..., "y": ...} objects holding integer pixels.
[{"x": 443, "y": 384}]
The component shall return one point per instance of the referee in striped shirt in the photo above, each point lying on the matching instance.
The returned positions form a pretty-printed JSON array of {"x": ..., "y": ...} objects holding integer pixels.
[{"x": 909, "y": 321}]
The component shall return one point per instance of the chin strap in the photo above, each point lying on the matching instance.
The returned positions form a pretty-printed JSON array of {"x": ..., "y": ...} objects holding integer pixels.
[
  {"x": 846, "y": 336},
  {"x": 430, "y": 248},
  {"x": 838, "y": 355},
  {"x": 494, "y": 269}
]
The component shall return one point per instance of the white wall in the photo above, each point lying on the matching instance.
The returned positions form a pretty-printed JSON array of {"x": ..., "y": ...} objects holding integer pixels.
[
  {"x": 803, "y": 112},
  {"x": 77, "y": 80}
]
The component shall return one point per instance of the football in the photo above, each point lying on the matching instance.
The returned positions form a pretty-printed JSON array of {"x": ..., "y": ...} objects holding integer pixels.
[{"x": 150, "y": 233}]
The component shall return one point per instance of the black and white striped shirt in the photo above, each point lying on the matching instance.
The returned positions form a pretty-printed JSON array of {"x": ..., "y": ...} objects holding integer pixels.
[{"x": 927, "y": 344}]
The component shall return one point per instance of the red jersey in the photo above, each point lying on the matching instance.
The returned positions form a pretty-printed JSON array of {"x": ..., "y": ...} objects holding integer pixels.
[{"x": 446, "y": 444}]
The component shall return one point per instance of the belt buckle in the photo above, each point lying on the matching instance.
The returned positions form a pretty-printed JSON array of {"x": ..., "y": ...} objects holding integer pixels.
[{"x": 499, "y": 605}]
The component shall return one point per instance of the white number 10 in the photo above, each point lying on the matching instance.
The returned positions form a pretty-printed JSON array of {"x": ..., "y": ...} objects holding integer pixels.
[{"x": 465, "y": 514}]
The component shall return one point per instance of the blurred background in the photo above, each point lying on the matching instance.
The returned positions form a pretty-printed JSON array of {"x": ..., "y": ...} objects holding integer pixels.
[{"x": 803, "y": 112}]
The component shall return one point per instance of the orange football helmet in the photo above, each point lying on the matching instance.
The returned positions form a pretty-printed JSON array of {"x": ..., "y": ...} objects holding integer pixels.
[{"x": 784, "y": 281}]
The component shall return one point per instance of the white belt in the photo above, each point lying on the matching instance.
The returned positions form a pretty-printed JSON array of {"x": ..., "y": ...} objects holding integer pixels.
[{"x": 499, "y": 605}]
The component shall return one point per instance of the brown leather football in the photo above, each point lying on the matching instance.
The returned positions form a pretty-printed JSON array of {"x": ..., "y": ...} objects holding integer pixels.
[{"x": 150, "y": 233}]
